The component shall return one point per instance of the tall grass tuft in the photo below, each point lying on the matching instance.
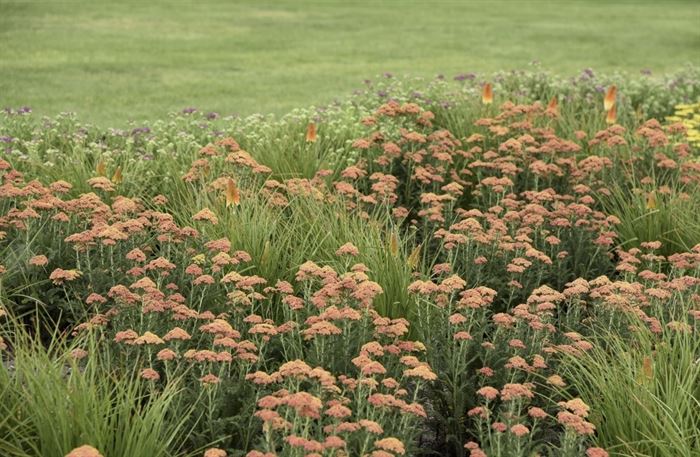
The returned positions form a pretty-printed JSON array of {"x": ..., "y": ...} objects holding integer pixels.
[
  {"x": 52, "y": 402},
  {"x": 644, "y": 391},
  {"x": 648, "y": 215}
]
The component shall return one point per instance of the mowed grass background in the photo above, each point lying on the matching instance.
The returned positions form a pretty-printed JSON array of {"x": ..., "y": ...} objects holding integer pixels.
[{"x": 114, "y": 61}]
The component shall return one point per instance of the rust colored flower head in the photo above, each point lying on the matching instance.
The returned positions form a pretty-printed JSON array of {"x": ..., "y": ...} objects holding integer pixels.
[
  {"x": 206, "y": 215},
  {"x": 488, "y": 392},
  {"x": 84, "y": 451},
  {"x": 102, "y": 183},
  {"x": 148, "y": 338},
  {"x": 391, "y": 444},
  {"x": 78, "y": 353},
  {"x": 536, "y": 413},
  {"x": 59, "y": 275},
  {"x": 215, "y": 452},
  {"x": 39, "y": 260},
  {"x": 596, "y": 452},
  {"x": 519, "y": 430},
  {"x": 209, "y": 379},
  {"x": 347, "y": 249},
  {"x": 166, "y": 355},
  {"x": 177, "y": 334},
  {"x": 150, "y": 374}
]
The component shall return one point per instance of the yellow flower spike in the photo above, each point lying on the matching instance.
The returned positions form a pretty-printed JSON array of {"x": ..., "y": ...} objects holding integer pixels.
[
  {"x": 265, "y": 253},
  {"x": 311, "y": 133},
  {"x": 101, "y": 168},
  {"x": 487, "y": 94},
  {"x": 394, "y": 244},
  {"x": 414, "y": 257},
  {"x": 651, "y": 200},
  {"x": 610, "y": 97},
  {"x": 199, "y": 259},
  {"x": 117, "y": 178},
  {"x": 611, "y": 116},
  {"x": 233, "y": 195},
  {"x": 647, "y": 368}
]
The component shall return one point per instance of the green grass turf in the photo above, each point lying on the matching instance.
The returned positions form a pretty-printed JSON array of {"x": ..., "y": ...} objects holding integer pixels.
[{"x": 113, "y": 61}]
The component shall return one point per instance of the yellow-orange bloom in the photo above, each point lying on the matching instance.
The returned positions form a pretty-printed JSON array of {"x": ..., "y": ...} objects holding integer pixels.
[
  {"x": 117, "y": 178},
  {"x": 651, "y": 200},
  {"x": 611, "y": 117},
  {"x": 233, "y": 195},
  {"x": 487, "y": 94},
  {"x": 101, "y": 168},
  {"x": 553, "y": 107},
  {"x": 610, "y": 97}
]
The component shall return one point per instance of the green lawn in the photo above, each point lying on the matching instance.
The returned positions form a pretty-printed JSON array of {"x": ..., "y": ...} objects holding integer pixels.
[{"x": 119, "y": 60}]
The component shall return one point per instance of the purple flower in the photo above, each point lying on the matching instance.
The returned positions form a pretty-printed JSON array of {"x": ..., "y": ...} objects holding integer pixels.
[
  {"x": 140, "y": 130},
  {"x": 189, "y": 110},
  {"x": 465, "y": 76},
  {"x": 212, "y": 115},
  {"x": 388, "y": 75},
  {"x": 6, "y": 139},
  {"x": 646, "y": 71}
]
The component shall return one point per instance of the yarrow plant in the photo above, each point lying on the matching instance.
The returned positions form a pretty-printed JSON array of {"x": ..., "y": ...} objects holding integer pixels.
[{"x": 385, "y": 278}]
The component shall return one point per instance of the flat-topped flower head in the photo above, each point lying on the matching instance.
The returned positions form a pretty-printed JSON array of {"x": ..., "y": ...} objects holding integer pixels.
[
  {"x": 391, "y": 444},
  {"x": 206, "y": 215},
  {"x": 84, "y": 451},
  {"x": 215, "y": 452},
  {"x": 59, "y": 275},
  {"x": 39, "y": 260},
  {"x": 148, "y": 338},
  {"x": 177, "y": 334},
  {"x": 347, "y": 249},
  {"x": 150, "y": 374}
]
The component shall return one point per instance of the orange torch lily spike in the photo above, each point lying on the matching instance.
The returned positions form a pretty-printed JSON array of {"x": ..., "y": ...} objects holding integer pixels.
[
  {"x": 487, "y": 94},
  {"x": 610, "y": 97},
  {"x": 611, "y": 117},
  {"x": 233, "y": 195},
  {"x": 553, "y": 107},
  {"x": 311, "y": 133}
]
